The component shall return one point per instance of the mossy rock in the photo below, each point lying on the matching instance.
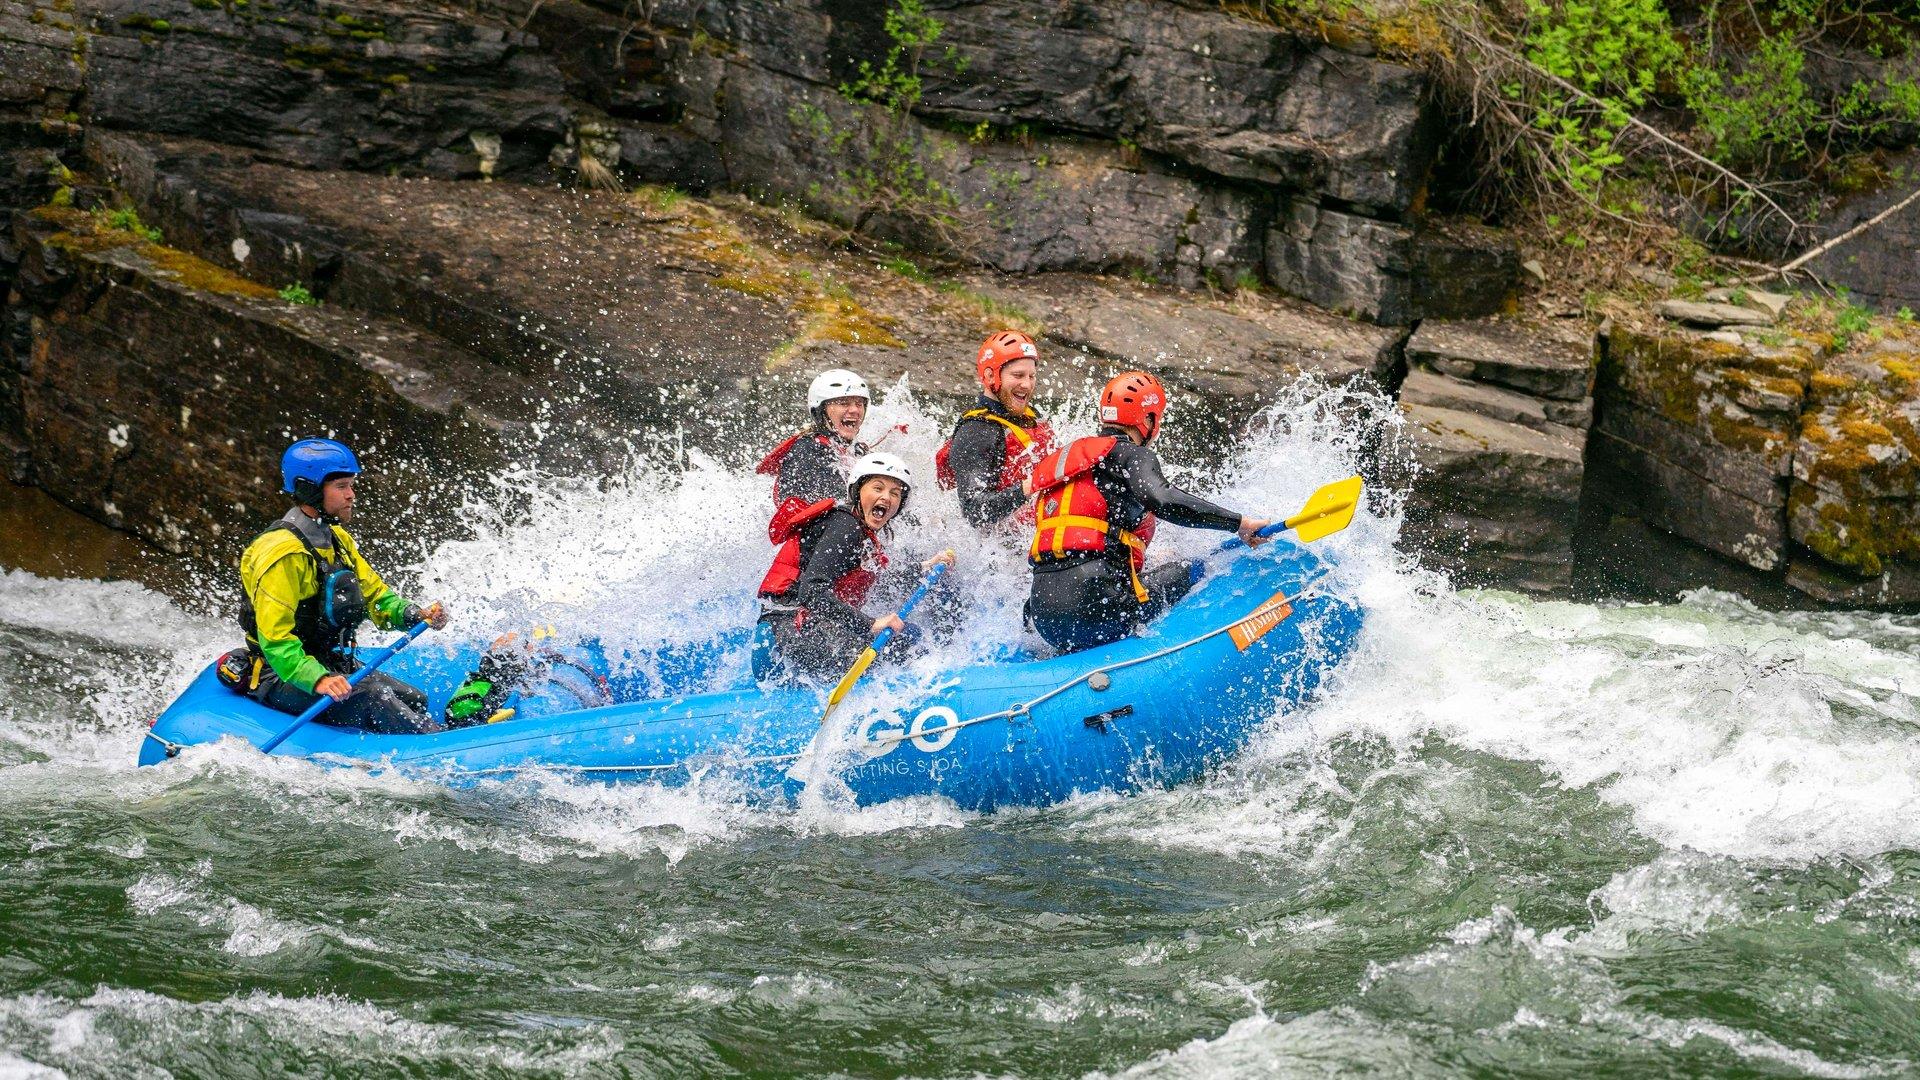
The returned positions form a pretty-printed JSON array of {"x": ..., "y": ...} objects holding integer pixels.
[
  {"x": 1745, "y": 398},
  {"x": 1862, "y": 535}
]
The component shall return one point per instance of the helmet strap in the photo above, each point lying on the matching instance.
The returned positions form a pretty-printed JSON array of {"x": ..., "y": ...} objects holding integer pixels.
[{"x": 308, "y": 493}]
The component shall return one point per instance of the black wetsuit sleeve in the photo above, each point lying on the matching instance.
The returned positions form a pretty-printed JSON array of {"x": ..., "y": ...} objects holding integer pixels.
[
  {"x": 1139, "y": 468},
  {"x": 979, "y": 451},
  {"x": 841, "y": 547},
  {"x": 811, "y": 471}
]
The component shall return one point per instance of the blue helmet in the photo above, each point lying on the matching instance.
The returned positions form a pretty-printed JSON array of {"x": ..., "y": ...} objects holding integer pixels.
[{"x": 309, "y": 463}]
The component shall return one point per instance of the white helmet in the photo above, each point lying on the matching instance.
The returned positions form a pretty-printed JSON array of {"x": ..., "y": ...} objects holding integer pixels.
[
  {"x": 836, "y": 383},
  {"x": 874, "y": 465}
]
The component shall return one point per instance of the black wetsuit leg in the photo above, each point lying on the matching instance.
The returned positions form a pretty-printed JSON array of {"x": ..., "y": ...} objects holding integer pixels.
[
  {"x": 1080, "y": 606},
  {"x": 820, "y": 649},
  {"x": 1092, "y": 603},
  {"x": 1167, "y": 585},
  {"x": 379, "y": 703}
]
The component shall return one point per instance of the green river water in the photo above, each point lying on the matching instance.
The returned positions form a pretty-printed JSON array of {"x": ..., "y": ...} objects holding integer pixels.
[{"x": 1513, "y": 837}]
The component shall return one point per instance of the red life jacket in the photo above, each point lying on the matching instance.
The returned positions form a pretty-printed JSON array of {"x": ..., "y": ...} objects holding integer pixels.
[
  {"x": 1024, "y": 447},
  {"x": 770, "y": 465},
  {"x": 1072, "y": 513},
  {"x": 788, "y": 523}
]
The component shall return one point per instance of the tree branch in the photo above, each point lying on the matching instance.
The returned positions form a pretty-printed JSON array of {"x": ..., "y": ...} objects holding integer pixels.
[
  {"x": 1648, "y": 129},
  {"x": 1815, "y": 252}
]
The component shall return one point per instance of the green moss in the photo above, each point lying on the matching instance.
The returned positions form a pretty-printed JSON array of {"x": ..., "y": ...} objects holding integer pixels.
[
  {"x": 141, "y": 21},
  {"x": 298, "y": 293},
  {"x": 764, "y": 286},
  {"x": 197, "y": 273}
]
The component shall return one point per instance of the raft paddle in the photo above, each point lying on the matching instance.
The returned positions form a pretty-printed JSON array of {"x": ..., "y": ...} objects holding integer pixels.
[
  {"x": 872, "y": 652},
  {"x": 366, "y": 669},
  {"x": 1327, "y": 512}
]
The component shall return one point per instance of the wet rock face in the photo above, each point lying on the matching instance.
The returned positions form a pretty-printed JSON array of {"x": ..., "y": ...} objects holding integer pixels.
[
  {"x": 1878, "y": 267},
  {"x": 157, "y": 390},
  {"x": 1697, "y": 436},
  {"x": 1159, "y": 138},
  {"x": 421, "y": 88},
  {"x": 1496, "y": 417},
  {"x": 1854, "y": 499},
  {"x": 1226, "y": 95},
  {"x": 1388, "y": 272}
]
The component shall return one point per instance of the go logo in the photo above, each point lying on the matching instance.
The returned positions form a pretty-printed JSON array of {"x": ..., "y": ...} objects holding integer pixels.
[{"x": 931, "y": 731}]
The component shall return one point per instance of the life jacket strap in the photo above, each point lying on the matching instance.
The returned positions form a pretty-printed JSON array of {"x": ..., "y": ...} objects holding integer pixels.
[{"x": 1024, "y": 436}]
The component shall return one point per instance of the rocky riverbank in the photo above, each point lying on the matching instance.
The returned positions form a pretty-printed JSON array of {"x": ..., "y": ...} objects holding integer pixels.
[{"x": 492, "y": 210}]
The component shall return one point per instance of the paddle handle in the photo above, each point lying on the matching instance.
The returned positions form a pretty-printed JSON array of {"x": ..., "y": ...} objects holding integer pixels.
[
  {"x": 366, "y": 669},
  {"x": 1274, "y": 529},
  {"x": 880, "y": 639}
]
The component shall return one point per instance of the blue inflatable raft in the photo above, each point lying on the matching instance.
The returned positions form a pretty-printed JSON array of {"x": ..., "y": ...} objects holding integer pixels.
[{"x": 1252, "y": 640}]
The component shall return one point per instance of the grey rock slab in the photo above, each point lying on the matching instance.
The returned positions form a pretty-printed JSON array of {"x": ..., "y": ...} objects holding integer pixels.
[
  {"x": 1494, "y": 503},
  {"x": 1663, "y": 491},
  {"x": 1058, "y": 206},
  {"x": 1772, "y": 303},
  {"x": 1551, "y": 362},
  {"x": 1238, "y": 348},
  {"x": 1455, "y": 430},
  {"x": 1426, "y": 387},
  {"x": 1699, "y": 313},
  {"x": 1652, "y": 275}
]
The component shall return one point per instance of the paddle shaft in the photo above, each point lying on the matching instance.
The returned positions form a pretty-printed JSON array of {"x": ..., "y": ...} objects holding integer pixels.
[
  {"x": 366, "y": 669},
  {"x": 880, "y": 640},
  {"x": 885, "y": 635},
  {"x": 1274, "y": 529},
  {"x": 1294, "y": 522}
]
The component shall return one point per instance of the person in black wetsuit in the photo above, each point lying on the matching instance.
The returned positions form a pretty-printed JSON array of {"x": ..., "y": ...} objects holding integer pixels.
[
  {"x": 812, "y": 465},
  {"x": 1099, "y": 500},
  {"x": 830, "y": 556},
  {"x": 997, "y": 441}
]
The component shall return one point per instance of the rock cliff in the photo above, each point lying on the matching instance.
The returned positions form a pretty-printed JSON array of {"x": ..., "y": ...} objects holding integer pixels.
[{"x": 489, "y": 201}]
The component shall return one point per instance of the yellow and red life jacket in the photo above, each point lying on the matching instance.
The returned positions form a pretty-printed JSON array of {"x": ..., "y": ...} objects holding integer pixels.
[
  {"x": 789, "y": 521},
  {"x": 1071, "y": 513},
  {"x": 1025, "y": 446}
]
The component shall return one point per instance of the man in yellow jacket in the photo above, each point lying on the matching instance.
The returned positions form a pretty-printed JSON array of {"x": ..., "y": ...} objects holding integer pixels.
[{"x": 305, "y": 591}]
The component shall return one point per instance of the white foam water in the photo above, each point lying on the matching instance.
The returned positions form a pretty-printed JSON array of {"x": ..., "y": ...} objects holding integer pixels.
[{"x": 1715, "y": 747}]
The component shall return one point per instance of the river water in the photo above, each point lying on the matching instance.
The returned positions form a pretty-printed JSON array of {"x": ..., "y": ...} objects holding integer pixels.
[{"x": 1513, "y": 837}]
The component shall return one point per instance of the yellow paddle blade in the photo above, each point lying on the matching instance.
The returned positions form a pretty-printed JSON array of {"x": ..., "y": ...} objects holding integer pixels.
[
  {"x": 1329, "y": 511},
  {"x": 859, "y": 668}
]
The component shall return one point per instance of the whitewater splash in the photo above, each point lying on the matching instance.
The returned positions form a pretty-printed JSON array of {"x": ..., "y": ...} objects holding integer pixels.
[
  {"x": 1724, "y": 728},
  {"x": 1466, "y": 844}
]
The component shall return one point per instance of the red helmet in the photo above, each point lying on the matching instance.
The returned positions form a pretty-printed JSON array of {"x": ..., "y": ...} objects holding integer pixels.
[
  {"x": 1134, "y": 399},
  {"x": 999, "y": 350}
]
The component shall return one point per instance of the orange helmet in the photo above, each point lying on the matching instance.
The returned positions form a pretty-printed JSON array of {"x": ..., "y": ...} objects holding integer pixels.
[
  {"x": 1134, "y": 399},
  {"x": 999, "y": 350}
]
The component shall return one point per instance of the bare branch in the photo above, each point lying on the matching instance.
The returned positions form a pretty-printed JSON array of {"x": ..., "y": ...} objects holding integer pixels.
[{"x": 1815, "y": 252}]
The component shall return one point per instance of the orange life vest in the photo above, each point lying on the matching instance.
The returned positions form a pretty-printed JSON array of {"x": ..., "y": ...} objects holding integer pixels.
[
  {"x": 1071, "y": 512},
  {"x": 788, "y": 523}
]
